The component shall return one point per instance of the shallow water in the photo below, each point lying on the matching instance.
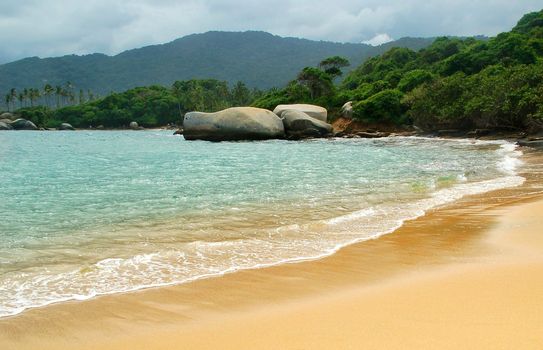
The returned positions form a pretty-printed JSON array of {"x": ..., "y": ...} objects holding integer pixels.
[{"x": 89, "y": 213}]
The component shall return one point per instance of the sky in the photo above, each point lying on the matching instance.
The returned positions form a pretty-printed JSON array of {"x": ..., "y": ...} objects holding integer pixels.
[{"x": 47, "y": 28}]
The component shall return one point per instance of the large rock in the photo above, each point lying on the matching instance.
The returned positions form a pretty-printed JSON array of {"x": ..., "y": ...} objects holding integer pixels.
[
  {"x": 134, "y": 125},
  {"x": 7, "y": 115},
  {"x": 7, "y": 121},
  {"x": 66, "y": 126},
  {"x": 23, "y": 124},
  {"x": 237, "y": 123},
  {"x": 347, "y": 110},
  {"x": 5, "y": 126},
  {"x": 299, "y": 125},
  {"x": 538, "y": 144},
  {"x": 316, "y": 112}
]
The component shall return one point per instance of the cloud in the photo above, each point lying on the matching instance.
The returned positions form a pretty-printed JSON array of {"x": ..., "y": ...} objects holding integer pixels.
[
  {"x": 59, "y": 27},
  {"x": 379, "y": 39}
]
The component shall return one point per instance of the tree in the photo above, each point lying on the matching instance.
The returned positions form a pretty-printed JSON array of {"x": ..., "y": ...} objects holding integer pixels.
[
  {"x": 13, "y": 97},
  {"x": 332, "y": 65},
  {"x": 81, "y": 97},
  {"x": 7, "y": 98},
  {"x": 21, "y": 97},
  {"x": 58, "y": 92},
  {"x": 414, "y": 78},
  {"x": 47, "y": 92},
  {"x": 384, "y": 106},
  {"x": 33, "y": 95},
  {"x": 317, "y": 81},
  {"x": 25, "y": 95},
  {"x": 241, "y": 95}
]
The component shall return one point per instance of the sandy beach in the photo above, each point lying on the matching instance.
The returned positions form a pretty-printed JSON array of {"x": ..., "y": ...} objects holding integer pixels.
[{"x": 467, "y": 276}]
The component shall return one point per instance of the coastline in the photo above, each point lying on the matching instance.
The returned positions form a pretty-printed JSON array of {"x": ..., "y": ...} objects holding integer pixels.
[{"x": 159, "y": 318}]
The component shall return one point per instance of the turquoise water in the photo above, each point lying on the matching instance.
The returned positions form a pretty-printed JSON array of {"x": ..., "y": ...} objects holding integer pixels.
[{"x": 90, "y": 213}]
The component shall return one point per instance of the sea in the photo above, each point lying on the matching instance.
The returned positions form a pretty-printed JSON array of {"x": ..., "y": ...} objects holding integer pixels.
[{"x": 89, "y": 213}]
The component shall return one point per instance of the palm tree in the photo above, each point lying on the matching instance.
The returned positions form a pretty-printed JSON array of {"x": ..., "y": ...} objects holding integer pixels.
[
  {"x": 21, "y": 97},
  {"x": 47, "y": 91},
  {"x": 13, "y": 97},
  {"x": 58, "y": 93},
  {"x": 69, "y": 93},
  {"x": 7, "y": 98},
  {"x": 26, "y": 95},
  {"x": 33, "y": 94},
  {"x": 81, "y": 97}
]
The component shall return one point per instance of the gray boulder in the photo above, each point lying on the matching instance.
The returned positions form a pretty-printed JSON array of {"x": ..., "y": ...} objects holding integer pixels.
[
  {"x": 347, "y": 110},
  {"x": 314, "y": 111},
  {"x": 66, "y": 126},
  {"x": 237, "y": 123},
  {"x": 134, "y": 125},
  {"x": 23, "y": 124},
  {"x": 7, "y": 121},
  {"x": 5, "y": 126},
  {"x": 372, "y": 135},
  {"x": 538, "y": 144},
  {"x": 299, "y": 125},
  {"x": 7, "y": 115}
]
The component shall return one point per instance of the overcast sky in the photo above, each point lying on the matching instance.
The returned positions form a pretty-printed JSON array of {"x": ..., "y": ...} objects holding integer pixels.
[{"x": 57, "y": 27}]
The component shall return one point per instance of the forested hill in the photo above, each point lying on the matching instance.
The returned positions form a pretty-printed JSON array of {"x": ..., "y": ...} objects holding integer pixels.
[
  {"x": 455, "y": 83},
  {"x": 258, "y": 59}
]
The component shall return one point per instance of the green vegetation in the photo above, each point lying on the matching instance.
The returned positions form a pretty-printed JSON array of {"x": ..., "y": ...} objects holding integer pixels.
[
  {"x": 148, "y": 106},
  {"x": 453, "y": 83},
  {"x": 52, "y": 97}
]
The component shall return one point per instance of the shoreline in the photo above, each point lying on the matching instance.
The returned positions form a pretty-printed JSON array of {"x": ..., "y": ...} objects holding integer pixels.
[{"x": 162, "y": 308}]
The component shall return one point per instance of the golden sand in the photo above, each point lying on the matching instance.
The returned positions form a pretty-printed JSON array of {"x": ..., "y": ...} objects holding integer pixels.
[{"x": 469, "y": 276}]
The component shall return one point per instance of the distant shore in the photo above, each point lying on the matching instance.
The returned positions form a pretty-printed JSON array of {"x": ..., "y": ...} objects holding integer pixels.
[{"x": 465, "y": 276}]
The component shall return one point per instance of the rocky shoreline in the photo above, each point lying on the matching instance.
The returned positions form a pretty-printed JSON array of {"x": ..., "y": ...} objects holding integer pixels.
[{"x": 290, "y": 122}]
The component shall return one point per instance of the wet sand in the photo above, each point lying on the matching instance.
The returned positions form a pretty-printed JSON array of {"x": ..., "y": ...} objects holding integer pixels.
[{"x": 467, "y": 276}]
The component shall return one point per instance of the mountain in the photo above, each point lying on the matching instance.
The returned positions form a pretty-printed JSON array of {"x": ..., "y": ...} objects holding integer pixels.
[{"x": 259, "y": 59}]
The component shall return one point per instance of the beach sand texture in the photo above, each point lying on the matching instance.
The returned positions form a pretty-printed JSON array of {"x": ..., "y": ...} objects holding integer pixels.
[{"x": 468, "y": 276}]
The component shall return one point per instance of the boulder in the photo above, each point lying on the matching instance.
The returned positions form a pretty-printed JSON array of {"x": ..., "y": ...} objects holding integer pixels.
[
  {"x": 134, "y": 126},
  {"x": 23, "y": 124},
  {"x": 7, "y": 115},
  {"x": 5, "y": 126},
  {"x": 347, "y": 110},
  {"x": 66, "y": 126},
  {"x": 300, "y": 125},
  {"x": 7, "y": 121},
  {"x": 538, "y": 144},
  {"x": 372, "y": 135},
  {"x": 316, "y": 112},
  {"x": 178, "y": 132},
  {"x": 237, "y": 123}
]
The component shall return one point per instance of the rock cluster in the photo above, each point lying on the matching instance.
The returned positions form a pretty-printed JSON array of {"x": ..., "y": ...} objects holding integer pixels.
[
  {"x": 299, "y": 125},
  {"x": 247, "y": 123},
  {"x": 23, "y": 124}
]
